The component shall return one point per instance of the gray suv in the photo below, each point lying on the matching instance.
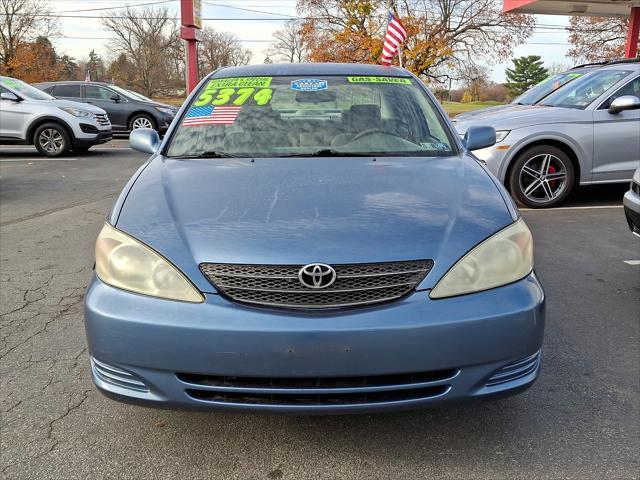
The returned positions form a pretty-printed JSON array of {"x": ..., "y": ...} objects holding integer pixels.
[
  {"x": 586, "y": 132},
  {"x": 29, "y": 116},
  {"x": 127, "y": 110}
]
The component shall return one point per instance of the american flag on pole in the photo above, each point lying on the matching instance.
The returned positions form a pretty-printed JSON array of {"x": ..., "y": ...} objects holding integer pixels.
[
  {"x": 210, "y": 115},
  {"x": 396, "y": 34}
]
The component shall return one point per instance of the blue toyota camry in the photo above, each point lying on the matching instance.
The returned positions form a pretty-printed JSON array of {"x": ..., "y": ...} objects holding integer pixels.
[{"x": 313, "y": 238}]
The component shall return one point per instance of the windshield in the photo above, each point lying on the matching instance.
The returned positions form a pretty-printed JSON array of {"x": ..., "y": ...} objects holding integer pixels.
[
  {"x": 545, "y": 87},
  {"x": 129, "y": 93},
  {"x": 290, "y": 116},
  {"x": 138, "y": 96},
  {"x": 582, "y": 92},
  {"x": 25, "y": 90}
]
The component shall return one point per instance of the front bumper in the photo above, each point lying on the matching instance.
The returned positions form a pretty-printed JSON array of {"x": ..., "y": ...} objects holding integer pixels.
[
  {"x": 631, "y": 202},
  {"x": 411, "y": 353},
  {"x": 102, "y": 136}
]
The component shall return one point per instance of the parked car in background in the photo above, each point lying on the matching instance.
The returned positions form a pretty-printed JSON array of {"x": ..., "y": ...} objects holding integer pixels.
[
  {"x": 127, "y": 110},
  {"x": 534, "y": 95},
  {"x": 631, "y": 203},
  {"x": 32, "y": 117},
  {"x": 586, "y": 132},
  {"x": 313, "y": 238}
]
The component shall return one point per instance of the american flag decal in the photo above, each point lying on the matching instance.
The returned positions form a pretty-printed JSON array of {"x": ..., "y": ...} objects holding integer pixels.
[
  {"x": 210, "y": 115},
  {"x": 396, "y": 34}
]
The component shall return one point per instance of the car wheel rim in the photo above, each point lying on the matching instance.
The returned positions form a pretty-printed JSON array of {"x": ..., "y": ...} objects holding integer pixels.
[
  {"x": 142, "y": 122},
  {"x": 51, "y": 140},
  {"x": 543, "y": 178}
]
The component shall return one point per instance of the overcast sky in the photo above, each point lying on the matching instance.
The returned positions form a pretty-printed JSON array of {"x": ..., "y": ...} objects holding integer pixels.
[{"x": 83, "y": 34}]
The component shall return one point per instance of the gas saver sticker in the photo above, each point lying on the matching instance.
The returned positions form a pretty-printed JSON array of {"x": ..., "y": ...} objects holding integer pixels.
[{"x": 401, "y": 81}]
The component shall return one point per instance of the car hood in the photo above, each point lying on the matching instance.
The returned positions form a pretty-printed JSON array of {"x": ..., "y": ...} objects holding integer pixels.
[
  {"x": 82, "y": 106},
  {"x": 481, "y": 112},
  {"x": 304, "y": 210},
  {"x": 519, "y": 117}
]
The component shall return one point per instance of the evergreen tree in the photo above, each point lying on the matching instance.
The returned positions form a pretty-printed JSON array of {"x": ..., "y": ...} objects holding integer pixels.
[{"x": 527, "y": 72}]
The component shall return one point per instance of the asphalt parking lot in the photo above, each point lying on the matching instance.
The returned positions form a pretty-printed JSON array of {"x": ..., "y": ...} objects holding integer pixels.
[{"x": 579, "y": 421}]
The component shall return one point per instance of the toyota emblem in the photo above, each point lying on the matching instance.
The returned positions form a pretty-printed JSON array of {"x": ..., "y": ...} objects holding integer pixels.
[{"x": 317, "y": 275}]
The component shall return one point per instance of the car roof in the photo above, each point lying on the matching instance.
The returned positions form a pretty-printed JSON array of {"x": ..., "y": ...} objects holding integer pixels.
[
  {"x": 608, "y": 63},
  {"x": 275, "y": 69},
  {"x": 74, "y": 82}
]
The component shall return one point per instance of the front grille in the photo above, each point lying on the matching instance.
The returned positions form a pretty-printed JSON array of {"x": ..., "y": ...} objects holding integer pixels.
[
  {"x": 317, "y": 390},
  {"x": 515, "y": 370},
  {"x": 278, "y": 285},
  {"x": 102, "y": 119}
]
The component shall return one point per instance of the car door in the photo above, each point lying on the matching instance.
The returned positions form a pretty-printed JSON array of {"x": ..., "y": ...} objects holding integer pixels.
[
  {"x": 67, "y": 91},
  {"x": 101, "y": 97},
  {"x": 11, "y": 117},
  {"x": 616, "y": 140}
]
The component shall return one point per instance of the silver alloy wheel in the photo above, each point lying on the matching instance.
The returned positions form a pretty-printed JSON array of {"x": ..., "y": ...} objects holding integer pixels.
[
  {"x": 543, "y": 178},
  {"x": 141, "y": 122},
  {"x": 51, "y": 140}
]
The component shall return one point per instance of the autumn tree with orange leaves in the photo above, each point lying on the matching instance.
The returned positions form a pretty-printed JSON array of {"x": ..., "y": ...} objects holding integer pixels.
[
  {"x": 35, "y": 62},
  {"x": 444, "y": 36},
  {"x": 595, "y": 39}
]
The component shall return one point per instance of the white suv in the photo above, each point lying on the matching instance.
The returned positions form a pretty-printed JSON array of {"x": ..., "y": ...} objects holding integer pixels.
[{"x": 29, "y": 116}]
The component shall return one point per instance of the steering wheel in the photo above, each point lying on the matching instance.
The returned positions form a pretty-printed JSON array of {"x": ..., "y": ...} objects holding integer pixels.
[{"x": 373, "y": 131}]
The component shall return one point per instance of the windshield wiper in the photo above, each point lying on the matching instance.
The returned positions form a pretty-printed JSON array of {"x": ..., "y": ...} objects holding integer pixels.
[
  {"x": 209, "y": 154},
  {"x": 330, "y": 152}
]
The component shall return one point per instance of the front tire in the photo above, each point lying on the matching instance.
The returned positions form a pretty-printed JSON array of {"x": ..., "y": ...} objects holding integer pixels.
[
  {"x": 142, "y": 120},
  {"x": 52, "y": 140},
  {"x": 541, "y": 177}
]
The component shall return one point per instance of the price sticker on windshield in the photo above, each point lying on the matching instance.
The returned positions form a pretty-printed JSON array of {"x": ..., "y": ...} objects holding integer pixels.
[{"x": 234, "y": 96}]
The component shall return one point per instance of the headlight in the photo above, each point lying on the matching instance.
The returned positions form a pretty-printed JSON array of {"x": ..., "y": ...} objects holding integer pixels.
[
  {"x": 503, "y": 258},
  {"x": 76, "y": 112},
  {"x": 168, "y": 111},
  {"x": 501, "y": 135},
  {"x": 124, "y": 262}
]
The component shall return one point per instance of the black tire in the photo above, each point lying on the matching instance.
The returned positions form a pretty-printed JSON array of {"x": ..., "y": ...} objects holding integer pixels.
[
  {"x": 541, "y": 177},
  {"x": 142, "y": 120},
  {"x": 52, "y": 140}
]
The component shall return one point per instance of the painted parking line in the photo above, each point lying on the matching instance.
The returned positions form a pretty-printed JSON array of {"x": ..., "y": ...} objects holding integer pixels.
[
  {"x": 592, "y": 207},
  {"x": 15, "y": 160},
  {"x": 632, "y": 262}
]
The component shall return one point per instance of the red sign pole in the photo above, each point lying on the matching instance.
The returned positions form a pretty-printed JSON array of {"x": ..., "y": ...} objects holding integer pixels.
[
  {"x": 631, "y": 48},
  {"x": 191, "y": 14}
]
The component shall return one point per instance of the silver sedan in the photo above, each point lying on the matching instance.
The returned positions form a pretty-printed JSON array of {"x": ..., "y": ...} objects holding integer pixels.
[{"x": 587, "y": 132}]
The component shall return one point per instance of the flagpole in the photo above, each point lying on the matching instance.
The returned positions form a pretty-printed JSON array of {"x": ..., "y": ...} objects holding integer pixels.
[{"x": 391, "y": 8}]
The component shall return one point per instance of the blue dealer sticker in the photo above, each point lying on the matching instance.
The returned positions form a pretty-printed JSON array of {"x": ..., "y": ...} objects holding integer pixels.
[{"x": 309, "y": 85}]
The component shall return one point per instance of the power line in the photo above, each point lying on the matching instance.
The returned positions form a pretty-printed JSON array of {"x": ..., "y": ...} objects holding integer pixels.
[{"x": 114, "y": 8}]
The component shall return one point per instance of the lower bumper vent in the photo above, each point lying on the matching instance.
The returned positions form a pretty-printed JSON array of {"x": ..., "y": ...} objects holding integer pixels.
[
  {"x": 317, "y": 390},
  {"x": 116, "y": 376},
  {"x": 515, "y": 370}
]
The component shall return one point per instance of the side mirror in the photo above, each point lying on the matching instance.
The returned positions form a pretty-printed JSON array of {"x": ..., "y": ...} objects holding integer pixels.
[
  {"x": 115, "y": 97},
  {"x": 625, "y": 102},
  {"x": 144, "y": 140},
  {"x": 479, "y": 137},
  {"x": 9, "y": 96}
]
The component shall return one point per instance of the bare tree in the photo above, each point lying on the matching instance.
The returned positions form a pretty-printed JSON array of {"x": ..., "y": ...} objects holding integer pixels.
[
  {"x": 289, "y": 44},
  {"x": 475, "y": 80},
  {"x": 22, "y": 21},
  {"x": 221, "y": 49},
  {"x": 146, "y": 35}
]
